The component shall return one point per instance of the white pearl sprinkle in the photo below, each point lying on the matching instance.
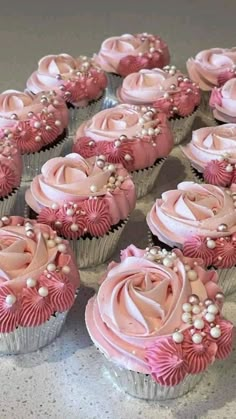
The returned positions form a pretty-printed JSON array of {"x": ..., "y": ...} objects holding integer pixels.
[
  {"x": 51, "y": 244},
  {"x": 192, "y": 275},
  {"x": 197, "y": 338},
  {"x": 128, "y": 157},
  {"x": 43, "y": 291},
  {"x": 70, "y": 212},
  {"x": 93, "y": 188},
  {"x": 198, "y": 324},
  {"x": 187, "y": 307},
  {"x": 10, "y": 299},
  {"x": 111, "y": 167},
  {"x": 196, "y": 309},
  {"x": 117, "y": 143},
  {"x": 178, "y": 337},
  {"x": 168, "y": 262},
  {"x": 51, "y": 267},
  {"x": 58, "y": 239},
  {"x": 211, "y": 244},
  {"x": 186, "y": 317},
  {"x": 54, "y": 206},
  {"x": 62, "y": 248},
  {"x": 66, "y": 269},
  {"x": 31, "y": 282},
  {"x": 215, "y": 332},
  {"x": 213, "y": 309},
  {"x": 74, "y": 227},
  {"x": 210, "y": 317}
]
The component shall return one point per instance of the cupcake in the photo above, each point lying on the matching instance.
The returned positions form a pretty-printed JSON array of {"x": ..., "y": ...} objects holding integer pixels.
[
  {"x": 200, "y": 219},
  {"x": 158, "y": 329},
  {"x": 212, "y": 154},
  {"x": 223, "y": 103},
  {"x": 125, "y": 54},
  {"x": 168, "y": 91},
  {"x": 139, "y": 139},
  {"x": 77, "y": 80},
  {"x": 36, "y": 125},
  {"x": 211, "y": 68},
  {"x": 38, "y": 284},
  {"x": 10, "y": 175},
  {"x": 88, "y": 202}
]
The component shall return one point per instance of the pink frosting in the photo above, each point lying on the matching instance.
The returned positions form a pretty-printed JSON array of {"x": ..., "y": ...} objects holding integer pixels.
[
  {"x": 212, "y": 67},
  {"x": 223, "y": 102},
  {"x": 140, "y": 305},
  {"x": 85, "y": 194},
  {"x": 38, "y": 274},
  {"x": 77, "y": 80},
  {"x": 10, "y": 167},
  {"x": 211, "y": 143},
  {"x": 146, "y": 136},
  {"x": 192, "y": 210},
  {"x": 168, "y": 90},
  {"x": 31, "y": 122},
  {"x": 116, "y": 53}
]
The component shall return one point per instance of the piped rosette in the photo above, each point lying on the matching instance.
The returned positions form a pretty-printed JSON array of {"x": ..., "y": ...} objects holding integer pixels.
[
  {"x": 83, "y": 199},
  {"x": 38, "y": 280},
  {"x": 139, "y": 139},
  {"x": 223, "y": 102},
  {"x": 157, "y": 318},
  {"x": 200, "y": 219},
  {"x": 212, "y": 154}
]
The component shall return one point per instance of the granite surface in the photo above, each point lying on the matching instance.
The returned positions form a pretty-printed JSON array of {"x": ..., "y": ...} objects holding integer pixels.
[{"x": 66, "y": 380}]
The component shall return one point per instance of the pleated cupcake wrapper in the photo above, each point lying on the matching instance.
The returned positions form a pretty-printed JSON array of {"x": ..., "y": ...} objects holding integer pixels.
[
  {"x": 114, "y": 81},
  {"x": 197, "y": 178},
  {"x": 97, "y": 250},
  {"x": 182, "y": 126},
  {"x": 77, "y": 115},
  {"x": 7, "y": 203},
  {"x": 205, "y": 112},
  {"x": 33, "y": 162},
  {"x": 145, "y": 179},
  {"x": 144, "y": 387}
]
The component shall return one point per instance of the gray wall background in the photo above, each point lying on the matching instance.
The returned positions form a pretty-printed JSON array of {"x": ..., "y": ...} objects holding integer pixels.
[{"x": 30, "y": 29}]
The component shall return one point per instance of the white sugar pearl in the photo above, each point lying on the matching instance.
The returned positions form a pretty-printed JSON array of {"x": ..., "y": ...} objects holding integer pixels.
[
  {"x": 54, "y": 206},
  {"x": 187, "y": 268},
  {"x": 112, "y": 179},
  {"x": 117, "y": 143},
  {"x": 229, "y": 168},
  {"x": 168, "y": 262},
  {"x": 197, "y": 338},
  {"x": 186, "y": 317},
  {"x": 213, "y": 309},
  {"x": 58, "y": 239},
  {"x": 10, "y": 299},
  {"x": 151, "y": 131},
  {"x": 144, "y": 131},
  {"x": 31, "y": 282},
  {"x": 196, "y": 309},
  {"x": 211, "y": 244},
  {"x": 141, "y": 120},
  {"x": 121, "y": 178},
  {"x": 58, "y": 123},
  {"x": 43, "y": 291},
  {"x": 128, "y": 157},
  {"x": 51, "y": 244},
  {"x": 61, "y": 248},
  {"x": 37, "y": 125},
  {"x": 102, "y": 157},
  {"x": 74, "y": 227},
  {"x": 192, "y": 275},
  {"x": 70, "y": 212},
  {"x": 199, "y": 324},
  {"x": 153, "y": 251},
  {"x": 51, "y": 267},
  {"x": 187, "y": 307},
  {"x": 215, "y": 332},
  {"x": 93, "y": 188},
  {"x": 210, "y": 317},
  {"x": 178, "y": 337},
  {"x": 111, "y": 167},
  {"x": 66, "y": 269}
]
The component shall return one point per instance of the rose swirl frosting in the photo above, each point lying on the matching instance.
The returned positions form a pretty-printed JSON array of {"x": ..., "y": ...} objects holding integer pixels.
[
  {"x": 125, "y": 134},
  {"x": 76, "y": 80},
  {"x": 200, "y": 219},
  {"x": 167, "y": 90},
  {"x": 223, "y": 102},
  {"x": 127, "y": 53},
  {"x": 159, "y": 313},
  {"x": 77, "y": 196},
  {"x": 38, "y": 275},
  {"x": 32, "y": 122}
]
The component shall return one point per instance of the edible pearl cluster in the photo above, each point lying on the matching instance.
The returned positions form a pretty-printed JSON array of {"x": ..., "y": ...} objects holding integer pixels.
[
  {"x": 4, "y": 221},
  {"x": 152, "y": 40},
  {"x": 5, "y": 148},
  {"x": 115, "y": 180},
  {"x": 156, "y": 254}
]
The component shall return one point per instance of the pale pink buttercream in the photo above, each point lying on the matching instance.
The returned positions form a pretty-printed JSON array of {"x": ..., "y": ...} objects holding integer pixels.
[
  {"x": 139, "y": 306},
  {"x": 99, "y": 135},
  {"x": 151, "y": 51},
  {"x": 168, "y": 90},
  {"x": 223, "y": 102},
  {"x": 77, "y": 80},
  {"x": 10, "y": 167},
  {"x": 25, "y": 255},
  {"x": 31, "y": 122},
  {"x": 72, "y": 180},
  {"x": 208, "y": 66},
  {"x": 192, "y": 210}
]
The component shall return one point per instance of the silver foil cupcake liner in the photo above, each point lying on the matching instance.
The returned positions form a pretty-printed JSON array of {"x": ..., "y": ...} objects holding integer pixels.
[
  {"x": 97, "y": 250},
  {"x": 145, "y": 179},
  {"x": 205, "y": 112},
  {"x": 33, "y": 162},
  {"x": 143, "y": 386},
  {"x": 8, "y": 203},
  {"x": 182, "y": 126},
  {"x": 227, "y": 280},
  {"x": 30, "y": 339},
  {"x": 77, "y": 115},
  {"x": 114, "y": 81}
]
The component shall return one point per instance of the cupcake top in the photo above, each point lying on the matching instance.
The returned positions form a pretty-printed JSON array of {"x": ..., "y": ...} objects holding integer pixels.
[
  {"x": 32, "y": 122},
  {"x": 167, "y": 90},
  {"x": 212, "y": 151},
  {"x": 152, "y": 317},
  {"x": 38, "y": 275},
  {"x": 200, "y": 219},
  {"x": 77, "y": 80},
  {"x": 79, "y": 197},
  {"x": 127, "y": 53},
  {"x": 223, "y": 102},
  {"x": 133, "y": 136},
  {"x": 10, "y": 167},
  {"x": 212, "y": 67}
]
